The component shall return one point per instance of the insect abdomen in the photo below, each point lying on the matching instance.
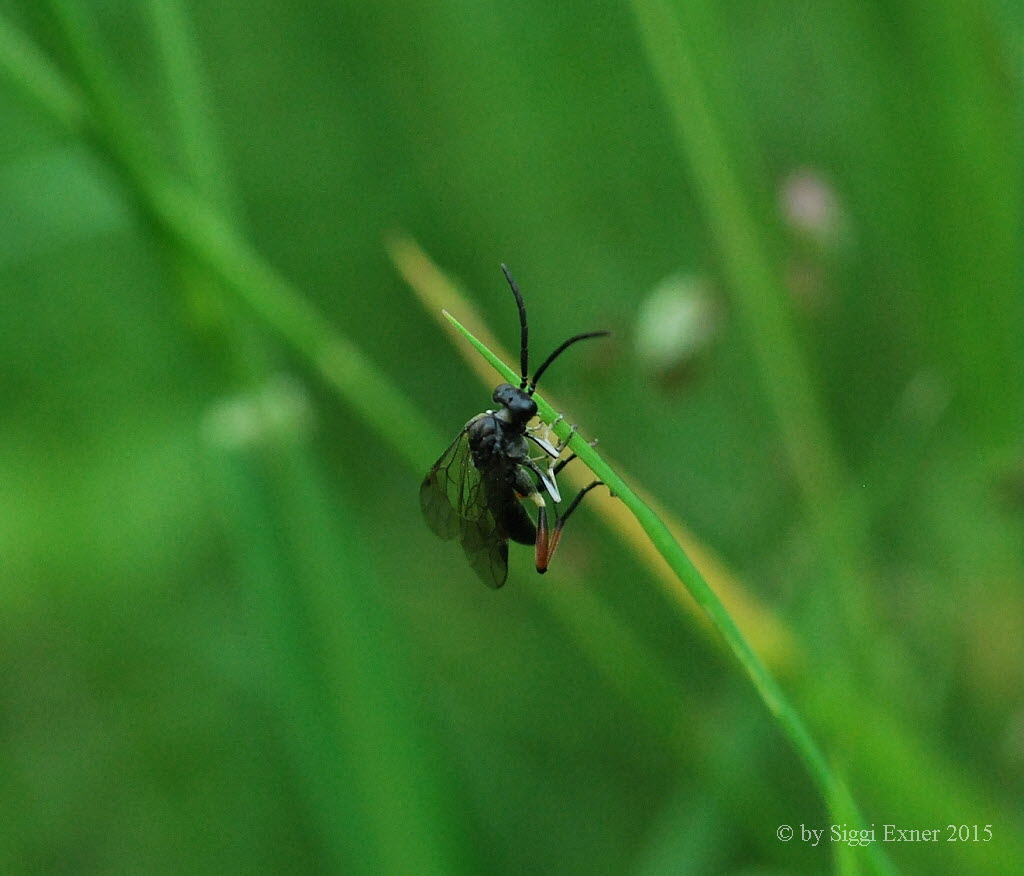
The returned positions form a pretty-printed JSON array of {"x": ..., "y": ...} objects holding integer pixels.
[{"x": 513, "y": 517}]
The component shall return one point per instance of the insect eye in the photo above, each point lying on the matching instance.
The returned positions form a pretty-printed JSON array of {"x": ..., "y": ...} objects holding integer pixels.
[{"x": 526, "y": 406}]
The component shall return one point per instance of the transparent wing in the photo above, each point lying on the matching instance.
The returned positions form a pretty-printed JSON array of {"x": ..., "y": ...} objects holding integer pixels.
[
  {"x": 452, "y": 491},
  {"x": 454, "y": 503},
  {"x": 486, "y": 548}
]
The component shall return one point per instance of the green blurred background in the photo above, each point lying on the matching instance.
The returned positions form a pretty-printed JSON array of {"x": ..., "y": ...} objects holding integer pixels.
[{"x": 228, "y": 642}]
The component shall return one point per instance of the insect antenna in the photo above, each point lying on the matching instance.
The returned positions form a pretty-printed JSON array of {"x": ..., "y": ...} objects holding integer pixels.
[
  {"x": 523, "y": 342},
  {"x": 561, "y": 349}
]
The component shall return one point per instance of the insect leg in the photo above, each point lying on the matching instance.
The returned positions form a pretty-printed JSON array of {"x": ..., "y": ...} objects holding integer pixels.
[
  {"x": 543, "y": 443},
  {"x": 547, "y": 479},
  {"x": 563, "y": 444},
  {"x": 547, "y": 540},
  {"x": 553, "y": 450},
  {"x": 562, "y": 463},
  {"x": 543, "y": 550}
]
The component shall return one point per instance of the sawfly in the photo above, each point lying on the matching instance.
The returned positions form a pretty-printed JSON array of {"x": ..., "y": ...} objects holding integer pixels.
[{"x": 475, "y": 491}]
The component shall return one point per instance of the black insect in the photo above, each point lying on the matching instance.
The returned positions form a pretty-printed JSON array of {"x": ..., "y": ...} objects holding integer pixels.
[{"x": 474, "y": 489}]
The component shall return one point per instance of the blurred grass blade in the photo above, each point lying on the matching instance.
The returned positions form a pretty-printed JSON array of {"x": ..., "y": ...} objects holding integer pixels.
[
  {"x": 669, "y": 34},
  {"x": 28, "y": 72},
  {"x": 371, "y": 779},
  {"x": 337, "y": 672},
  {"x": 677, "y": 38},
  {"x": 966, "y": 131},
  {"x": 198, "y": 228},
  {"x": 888, "y": 749},
  {"x": 197, "y": 151},
  {"x": 201, "y": 231},
  {"x": 188, "y": 105}
]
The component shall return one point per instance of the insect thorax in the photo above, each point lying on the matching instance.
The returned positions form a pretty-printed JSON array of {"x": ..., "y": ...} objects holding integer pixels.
[{"x": 495, "y": 442}]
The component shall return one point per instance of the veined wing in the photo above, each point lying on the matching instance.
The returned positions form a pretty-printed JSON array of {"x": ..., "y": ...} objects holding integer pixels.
[
  {"x": 453, "y": 491},
  {"x": 454, "y": 503},
  {"x": 486, "y": 548}
]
